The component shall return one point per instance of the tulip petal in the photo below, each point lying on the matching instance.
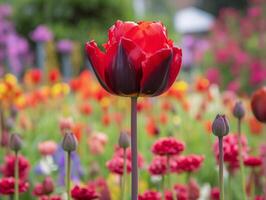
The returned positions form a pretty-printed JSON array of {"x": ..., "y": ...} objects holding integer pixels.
[
  {"x": 124, "y": 72},
  {"x": 156, "y": 72},
  {"x": 97, "y": 58},
  {"x": 118, "y": 30},
  {"x": 150, "y": 36},
  {"x": 175, "y": 66}
]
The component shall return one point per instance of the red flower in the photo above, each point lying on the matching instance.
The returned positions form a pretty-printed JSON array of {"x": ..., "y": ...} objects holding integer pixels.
[
  {"x": 86, "y": 193},
  {"x": 35, "y": 76},
  {"x": 252, "y": 161},
  {"x": 7, "y": 186},
  {"x": 150, "y": 195},
  {"x": 168, "y": 146},
  {"x": 116, "y": 164},
  {"x": 54, "y": 75},
  {"x": 158, "y": 166},
  {"x": 8, "y": 167},
  {"x": 139, "y": 60},
  {"x": 258, "y": 104},
  {"x": 215, "y": 194},
  {"x": 190, "y": 163}
]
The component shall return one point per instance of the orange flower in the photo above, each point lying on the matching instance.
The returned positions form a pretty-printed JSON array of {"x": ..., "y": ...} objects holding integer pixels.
[
  {"x": 77, "y": 130},
  {"x": 86, "y": 109},
  {"x": 202, "y": 84},
  {"x": 208, "y": 126},
  {"x": 255, "y": 126}
]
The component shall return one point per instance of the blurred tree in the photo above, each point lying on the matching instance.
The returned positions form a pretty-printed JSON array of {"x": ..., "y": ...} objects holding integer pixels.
[
  {"x": 215, "y": 6},
  {"x": 74, "y": 19}
]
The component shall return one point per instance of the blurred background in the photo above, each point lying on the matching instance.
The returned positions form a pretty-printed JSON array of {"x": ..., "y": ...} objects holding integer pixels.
[{"x": 222, "y": 40}]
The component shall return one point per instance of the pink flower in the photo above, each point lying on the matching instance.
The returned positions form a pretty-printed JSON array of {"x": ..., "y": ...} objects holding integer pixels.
[
  {"x": 85, "y": 193},
  {"x": 150, "y": 195},
  {"x": 47, "y": 147},
  {"x": 168, "y": 146},
  {"x": 7, "y": 186},
  {"x": 97, "y": 142},
  {"x": 180, "y": 191},
  {"x": 158, "y": 166},
  {"x": 120, "y": 153},
  {"x": 230, "y": 147},
  {"x": 190, "y": 163},
  {"x": 8, "y": 168},
  {"x": 116, "y": 164}
]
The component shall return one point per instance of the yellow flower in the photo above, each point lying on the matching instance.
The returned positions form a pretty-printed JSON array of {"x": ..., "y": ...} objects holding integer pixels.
[
  {"x": 11, "y": 79},
  {"x": 181, "y": 86}
]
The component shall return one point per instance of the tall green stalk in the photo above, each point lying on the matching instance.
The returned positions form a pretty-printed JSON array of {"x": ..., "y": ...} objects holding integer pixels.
[
  {"x": 123, "y": 187},
  {"x": 16, "y": 177},
  {"x": 221, "y": 168},
  {"x": 243, "y": 178},
  {"x": 68, "y": 171}
]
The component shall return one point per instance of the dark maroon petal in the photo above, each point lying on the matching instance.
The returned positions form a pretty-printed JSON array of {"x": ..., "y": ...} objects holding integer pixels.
[
  {"x": 97, "y": 58},
  {"x": 156, "y": 72},
  {"x": 124, "y": 72}
]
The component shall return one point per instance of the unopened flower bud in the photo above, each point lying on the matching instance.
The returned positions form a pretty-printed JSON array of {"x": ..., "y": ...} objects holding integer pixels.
[
  {"x": 69, "y": 142},
  {"x": 15, "y": 142},
  {"x": 124, "y": 140},
  {"x": 48, "y": 185},
  {"x": 239, "y": 110},
  {"x": 220, "y": 126}
]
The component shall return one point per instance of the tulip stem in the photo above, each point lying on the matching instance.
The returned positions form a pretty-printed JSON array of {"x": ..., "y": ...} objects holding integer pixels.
[
  {"x": 16, "y": 177},
  {"x": 134, "y": 149},
  {"x": 124, "y": 175},
  {"x": 68, "y": 171},
  {"x": 243, "y": 179},
  {"x": 221, "y": 169}
]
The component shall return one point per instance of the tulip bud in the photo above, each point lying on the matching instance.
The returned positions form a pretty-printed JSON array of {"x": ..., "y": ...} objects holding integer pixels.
[
  {"x": 69, "y": 142},
  {"x": 124, "y": 140},
  {"x": 220, "y": 126},
  {"x": 48, "y": 186},
  {"x": 239, "y": 110},
  {"x": 15, "y": 142}
]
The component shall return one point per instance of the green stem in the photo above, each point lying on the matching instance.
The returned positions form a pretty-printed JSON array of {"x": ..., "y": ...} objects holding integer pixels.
[
  {"x": 229, "y": 188},
  {"x": 124, "y": 176},
  {"x": 163, "y": 182},
  {"x": 221, "y": 163},
  {"x": 252, "y": 177},
  {"x": 68, "y": 171},
  {"x": 16, "y": 177},
  {"x": 168, "y": 172},
  {"x": 243, "y": 179}
]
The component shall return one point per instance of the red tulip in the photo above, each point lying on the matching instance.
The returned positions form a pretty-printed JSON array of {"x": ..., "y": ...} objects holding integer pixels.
[
  {"x": 258, "y": 102},
  {"x": 139, "y": 59}
]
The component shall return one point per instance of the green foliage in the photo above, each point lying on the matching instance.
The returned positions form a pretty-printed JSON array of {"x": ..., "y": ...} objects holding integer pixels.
[{"x": 78, "y": 19}]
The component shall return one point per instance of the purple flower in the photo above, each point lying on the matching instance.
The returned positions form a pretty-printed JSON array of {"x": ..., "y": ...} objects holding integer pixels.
[
  {"x": 65, "y": 46},
  {"x": 41, "y": 34},
  {"x": 76, "y": 169},
  {"x": 5, "y": 10}
]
